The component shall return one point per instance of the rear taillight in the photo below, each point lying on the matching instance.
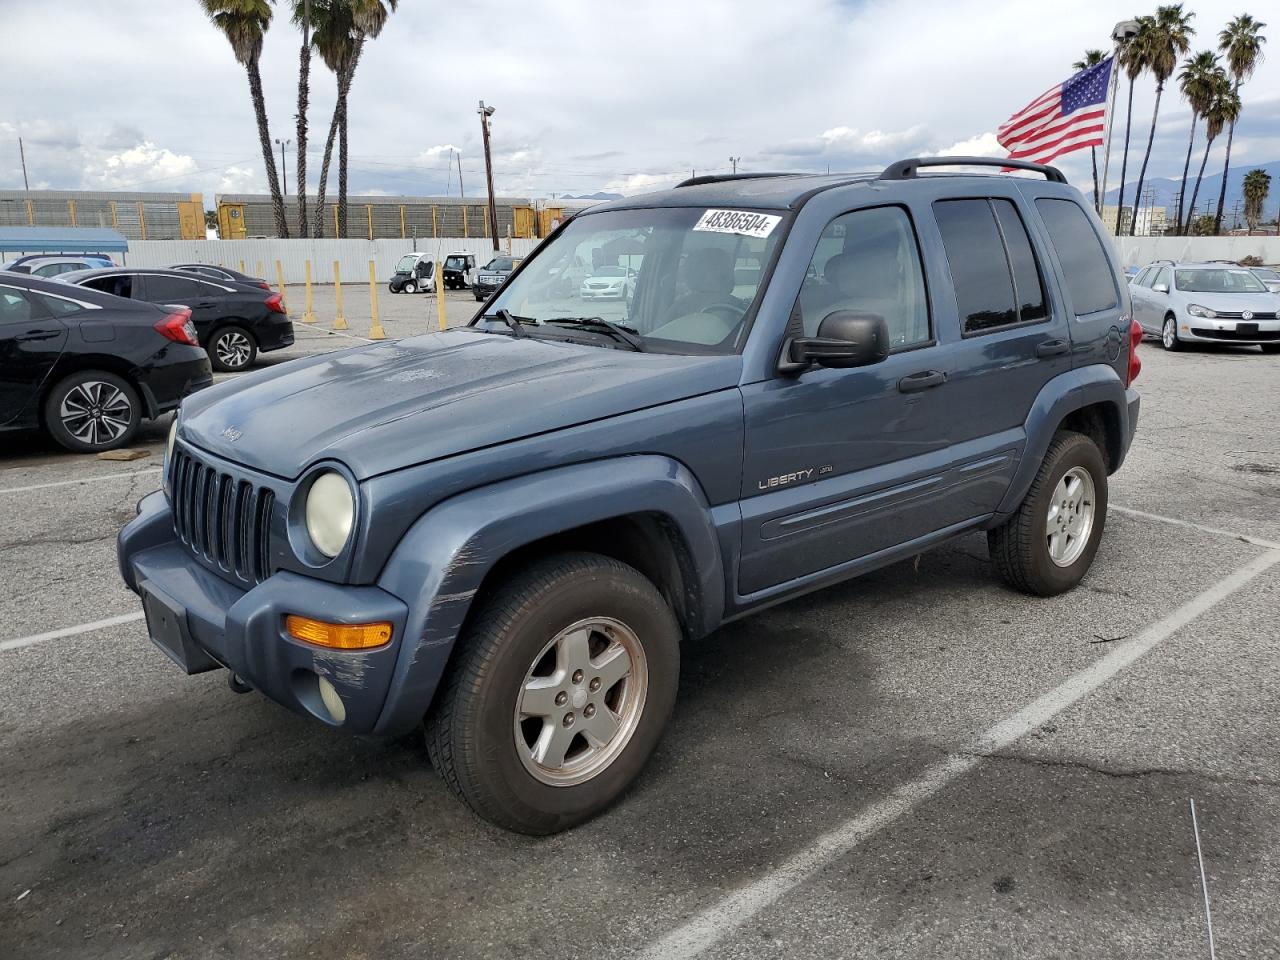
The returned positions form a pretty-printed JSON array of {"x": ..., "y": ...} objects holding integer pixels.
[
  {"x": 274, "y": 304},
  {"x": 1135, "y": 363},
  {"x": 178, "y": 327},
  {"x": 264, "y": 285}
]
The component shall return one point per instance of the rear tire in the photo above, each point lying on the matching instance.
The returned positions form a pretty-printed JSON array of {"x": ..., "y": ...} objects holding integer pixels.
[
  {"x": 1169, "y": 335},
  {"x": 541, "y": 658},
  {"x": 1048, "y": 545},
  {"x": 232, "y": 349},
  {"x": 1270, "y": 347},
  {"x": 91, "y": 411}
]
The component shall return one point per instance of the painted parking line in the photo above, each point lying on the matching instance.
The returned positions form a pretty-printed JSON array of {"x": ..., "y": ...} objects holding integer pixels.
[
  {"x": 70, "y": 631},
  {"x": 68, "y": 483},
  {"x": 1192, "y": 525},
  {"x": 719, "y": 921}
]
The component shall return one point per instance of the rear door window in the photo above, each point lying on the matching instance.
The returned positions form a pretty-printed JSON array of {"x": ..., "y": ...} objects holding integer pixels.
[
  {"x": 120, "y": 286},
  {"x": 1085, "y": 266},
  {"x": 164, "y": 289},
  {"x": 993, "y": 267}
]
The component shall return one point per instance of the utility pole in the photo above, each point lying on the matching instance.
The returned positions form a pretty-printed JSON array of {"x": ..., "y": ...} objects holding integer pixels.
[
  {"x": 485, "y": 114},
  {"x": 734, "y": 161},
  {"x": 462, "y": 193},
  {"x": 284, "y": 173},
  {"x": 22, "y": 154}
]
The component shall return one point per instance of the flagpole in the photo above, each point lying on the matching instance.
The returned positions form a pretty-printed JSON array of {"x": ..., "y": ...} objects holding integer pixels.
[{"x": 1121, "y": 33}]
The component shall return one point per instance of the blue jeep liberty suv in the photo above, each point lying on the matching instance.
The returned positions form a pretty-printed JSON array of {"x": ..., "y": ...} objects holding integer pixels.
[{"x": 504, "y": 531}]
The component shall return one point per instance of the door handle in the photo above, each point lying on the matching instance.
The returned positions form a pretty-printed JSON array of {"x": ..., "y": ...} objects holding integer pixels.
[
  {"x": 1052, "y": 348},
  {"x": 922, "y": 381},
  {"x": 39, "y": 335},
  {"x": 205, "y": 304}
]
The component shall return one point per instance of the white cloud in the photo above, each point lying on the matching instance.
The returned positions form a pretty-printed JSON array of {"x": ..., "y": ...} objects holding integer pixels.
[
  {"x": 983, "y": 145},
  {"x": 138, "y": 167}
]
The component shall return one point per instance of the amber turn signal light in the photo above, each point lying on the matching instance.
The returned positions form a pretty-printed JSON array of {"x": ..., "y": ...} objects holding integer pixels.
[{"x": 339, "y": 636}]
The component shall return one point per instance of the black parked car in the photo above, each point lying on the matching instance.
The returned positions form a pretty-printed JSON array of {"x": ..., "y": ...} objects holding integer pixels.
[
  {"x": 221, "y": 273},
  {"x": 233, "y": 320},
  {"x": 88, "y": 367}
]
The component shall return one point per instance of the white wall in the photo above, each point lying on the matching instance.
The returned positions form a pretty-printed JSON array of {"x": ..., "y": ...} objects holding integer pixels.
[
  {"x": 354, "y": 255},
  {"x": 1137, "y": 251}
]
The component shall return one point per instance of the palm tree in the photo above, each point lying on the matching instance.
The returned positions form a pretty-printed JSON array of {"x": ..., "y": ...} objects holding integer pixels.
[
  {"x": 302, "y": 19},
  {"x": 1242, "y": 42},
  {"x": 1133, "y": 58},
  {"x": 1092, "y": 58},
  {"x": 1196, "y": 82},
  {"x": 244, "y": 23},
  {"x": 1223, "y": 107},
  {"x": 1257, "y": 184},
  {"x": 1163, "y": 38},
  {"x": 345, "y": 26}
]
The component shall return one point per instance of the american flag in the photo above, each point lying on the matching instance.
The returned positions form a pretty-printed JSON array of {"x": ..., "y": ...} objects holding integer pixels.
[{"x": 1069, "y": 116}]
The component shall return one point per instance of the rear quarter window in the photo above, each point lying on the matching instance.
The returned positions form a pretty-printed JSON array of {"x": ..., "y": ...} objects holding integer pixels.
[{"x": 1085, "y": 266}]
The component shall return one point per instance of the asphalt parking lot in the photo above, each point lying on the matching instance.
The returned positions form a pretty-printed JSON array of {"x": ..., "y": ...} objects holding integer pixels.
[{"x": 916, "y": 763}]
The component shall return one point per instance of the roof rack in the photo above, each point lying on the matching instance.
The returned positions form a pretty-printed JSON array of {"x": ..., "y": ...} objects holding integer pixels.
[
  {"x": 906, "y": 169},
  {"x": 722, "y": 177}
]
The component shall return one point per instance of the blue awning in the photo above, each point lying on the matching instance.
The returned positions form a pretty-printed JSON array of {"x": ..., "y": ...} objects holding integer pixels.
[{"x": 61, "y": 240}]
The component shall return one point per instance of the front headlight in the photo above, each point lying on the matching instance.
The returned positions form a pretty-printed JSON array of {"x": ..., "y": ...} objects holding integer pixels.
[
  {"x": 168, "y": 453},
  {"x": 1198, "y": 311},
  {"x": 331, "y": 509}
]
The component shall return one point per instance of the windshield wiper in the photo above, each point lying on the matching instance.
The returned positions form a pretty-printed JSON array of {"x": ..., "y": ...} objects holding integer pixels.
[
  {"x": 511, "y": 320},
  {"x": 627, "y": 335}
]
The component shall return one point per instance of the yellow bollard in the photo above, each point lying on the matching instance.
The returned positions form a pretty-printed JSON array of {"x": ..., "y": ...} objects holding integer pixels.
[
  {"x": 309, "y": 315},
  {"x": 242, "y": 265},
  {"x": 375, "y": 329},
  {"x": 339, "y": 322},
  {"x": 439, "y": 269},
  {"x": 284, "y": 297},
  {"x": 262, "y": 274}
]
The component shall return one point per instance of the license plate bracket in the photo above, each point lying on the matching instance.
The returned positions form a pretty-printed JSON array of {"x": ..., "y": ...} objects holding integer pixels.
[
  {"x": 167, "y": 626},
  {"x": 1250, "y": 329}
]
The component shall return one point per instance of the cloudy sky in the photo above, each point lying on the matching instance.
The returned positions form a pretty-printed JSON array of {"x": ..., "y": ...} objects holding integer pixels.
[{"x": 602, "y": 95}]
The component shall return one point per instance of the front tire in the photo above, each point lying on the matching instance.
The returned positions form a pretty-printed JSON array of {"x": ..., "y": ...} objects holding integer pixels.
[
  {"x": 562, "y": 685},
  {"x": 1169, "y": 335},
  {"x": 1048, "y": 545},
  {"x": 92, "y": 411},
  {"x": 410, "y": 286},
  {"x": 1270, "y": 347},
  {"x": 232, "y": 349}
]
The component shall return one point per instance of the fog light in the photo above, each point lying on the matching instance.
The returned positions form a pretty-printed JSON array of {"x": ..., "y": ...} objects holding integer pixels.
[
  {"x": 339, "y": 636},
  {"x": 332, "y": 700}
]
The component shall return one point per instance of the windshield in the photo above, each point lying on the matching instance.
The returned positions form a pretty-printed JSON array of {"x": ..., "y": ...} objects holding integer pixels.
[
  {"x": 695, "y": 275},
  {"x": 406, "y": 263},
  {"x": 455, "y": 263},
  {"x": 499, "y": 264},
  {"x": 1266, "y": 273},
  {"x": 1217, "y": 280}
]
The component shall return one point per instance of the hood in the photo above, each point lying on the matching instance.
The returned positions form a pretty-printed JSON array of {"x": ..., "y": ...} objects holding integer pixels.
[{"x": 399, "y": 403}]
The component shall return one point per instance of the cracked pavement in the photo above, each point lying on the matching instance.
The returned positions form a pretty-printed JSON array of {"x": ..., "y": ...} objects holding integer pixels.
[{"x": 155, "y": 815}]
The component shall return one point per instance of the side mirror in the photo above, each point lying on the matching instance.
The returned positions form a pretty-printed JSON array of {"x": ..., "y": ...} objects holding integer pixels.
[
  {"x": 845, "y": 338},
  {"x": 1161, "y": 288}
]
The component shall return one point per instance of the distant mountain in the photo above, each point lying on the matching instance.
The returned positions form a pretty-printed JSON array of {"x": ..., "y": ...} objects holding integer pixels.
[
  {"x": 1165, "y": 190},
  {"x": 593, "y": 196}
]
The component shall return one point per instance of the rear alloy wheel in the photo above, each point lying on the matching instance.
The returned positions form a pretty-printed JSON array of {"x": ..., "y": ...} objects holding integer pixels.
[
  {"x": 93, "y": 411},
  {"x": 1169, "y": 335},
  {"x": 1048, "y": 545},
  {"x": 558, "y": 693},
  {"x": 233, "y": 349}
]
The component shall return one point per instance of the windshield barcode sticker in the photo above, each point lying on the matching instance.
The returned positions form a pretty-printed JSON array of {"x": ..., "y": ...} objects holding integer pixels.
[{"x": 738, "y": 221}]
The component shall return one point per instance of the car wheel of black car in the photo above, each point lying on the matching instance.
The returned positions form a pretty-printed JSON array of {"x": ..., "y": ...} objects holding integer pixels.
[
  {"x": 91, "y": 411},
  {"x": 1047, "y": 546},
  {"x": 393, "y": 288},
  {"x": 1169, "y": 334},
  {"x": 232, "y": 349},
  {"x": 1270, "y": 347},
  {"x": 559, "y": 692}
]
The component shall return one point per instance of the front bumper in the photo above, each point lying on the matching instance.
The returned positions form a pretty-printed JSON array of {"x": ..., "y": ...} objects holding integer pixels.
[
  {"x": 1218, "y": 330},
  {"x": 611, "y": 294},
  {"x": 202, "y": 622}
]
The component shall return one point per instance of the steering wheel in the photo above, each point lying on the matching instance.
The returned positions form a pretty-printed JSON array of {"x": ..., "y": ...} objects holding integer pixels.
[{"x": 733, "y": 312}]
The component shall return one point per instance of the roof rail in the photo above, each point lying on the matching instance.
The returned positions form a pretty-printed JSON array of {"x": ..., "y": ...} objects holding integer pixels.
[
  {"x": 906, "y": 169},
  {"x": 721, "y": 177}
]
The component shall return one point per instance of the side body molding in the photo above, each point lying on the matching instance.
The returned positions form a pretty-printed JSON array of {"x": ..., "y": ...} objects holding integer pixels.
[
  {"x": 441, "y": 562},
  {"x": 1064, "y": 394}
]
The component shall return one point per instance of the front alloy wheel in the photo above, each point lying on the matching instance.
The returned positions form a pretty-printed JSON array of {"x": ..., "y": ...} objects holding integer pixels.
[
  {"x": 558, "y": 693},
  {"x": 1169, "y": 334}
]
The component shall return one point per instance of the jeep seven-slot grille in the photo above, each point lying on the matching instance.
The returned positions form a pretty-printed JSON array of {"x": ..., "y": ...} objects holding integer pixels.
[{"x": 221, "y": 518}]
